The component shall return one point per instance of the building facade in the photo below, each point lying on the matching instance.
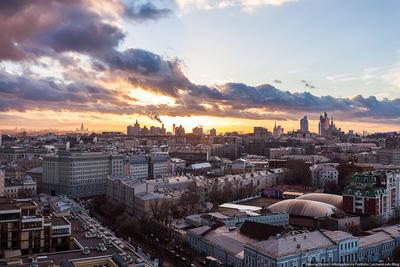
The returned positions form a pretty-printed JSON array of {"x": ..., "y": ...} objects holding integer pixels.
[
  {"x": 134, "y": 130},
  {"x": 159, "y": 166},
  {"x": 389, "y": 156},
  {"x": 137, "y": 166},
  {"x": 373, "y": 193},
  {"x": 23, "y": 228},
  {"x": 303, "y": 249},
  {"x": 80, "y": 174},
  {"x": 304, "y": 124},
  {"x": 120, "y": 189},
  {"x": 323, "y": 174},
  {"x": 15, "y": 188}
]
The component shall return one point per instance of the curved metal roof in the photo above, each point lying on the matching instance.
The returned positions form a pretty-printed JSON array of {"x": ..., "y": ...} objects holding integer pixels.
[
  {"x": 303, "y": 207},
  {"x": 334, "y": 200}
]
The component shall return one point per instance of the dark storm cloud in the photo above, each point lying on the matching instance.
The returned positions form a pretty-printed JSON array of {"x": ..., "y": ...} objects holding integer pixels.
[
  {"x": 146, "y": 11},
  {"x": 269, "y": 96},
  {"x": 148, "y": 70},
  {"x": 151, "y": 71},
  {"x": 30, "y": 93},
  {"x": 82, "y": 31},
  {"x": 32, "y": 28},
  {"x": 22, "y": 21},
  {"x": 49, "y": 27}
]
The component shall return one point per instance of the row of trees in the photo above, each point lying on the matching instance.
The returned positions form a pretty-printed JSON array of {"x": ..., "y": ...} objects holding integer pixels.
[
  {"x": 231, "y": 190},
  {"x": 298, "y": 173}
]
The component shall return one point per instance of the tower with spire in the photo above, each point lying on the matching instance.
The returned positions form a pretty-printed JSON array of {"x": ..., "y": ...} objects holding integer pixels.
[
  {"x": 134, "y": 130},
  {"x": 327, "y": 127}
]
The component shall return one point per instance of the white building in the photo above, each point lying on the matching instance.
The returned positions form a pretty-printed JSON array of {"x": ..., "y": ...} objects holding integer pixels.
[
  {"x": 80, "y": 174},
  {"x": 325, "y": 173},
  {"x": 137, "y": 166},
  {"x": 257, "y": 180},
  {"x": 160, "y": 165},
  {"x": 177, "y": 166}
]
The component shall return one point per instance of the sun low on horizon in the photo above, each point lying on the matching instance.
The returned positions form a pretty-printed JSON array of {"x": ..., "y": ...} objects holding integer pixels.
[{"x": 228, "y": 65}]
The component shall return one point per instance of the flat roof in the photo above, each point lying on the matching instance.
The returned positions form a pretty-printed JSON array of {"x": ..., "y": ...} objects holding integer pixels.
[
  {"x": 8, "y": 206},
  {"x": 240, "y": 207},
  {"x": 55, "y": 221}
]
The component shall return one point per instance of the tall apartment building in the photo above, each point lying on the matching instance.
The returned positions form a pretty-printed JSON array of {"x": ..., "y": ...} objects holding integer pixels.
[
  {"x": 230, "y": 151},
  {"x": 277, "y": 131},
  {"x": 197, "y": 131},
  {"x": 122, "y": 191},
  {"x": 137, "y": 166},
  {"x": 260, "y": 133},
  {"x": 159, "y": 166},
  {"x": 373, "y": 193},
  {"x": 213, "y": 132},
  {"x": 23, "y": 228},
  {"x": 80, "y": 174},
  {"x": 304, "y": 124},
  {"x": 179, "y": 131}
]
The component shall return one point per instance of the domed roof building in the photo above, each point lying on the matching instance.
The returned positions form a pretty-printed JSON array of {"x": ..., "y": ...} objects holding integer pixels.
[
  {"x": 305, "y": 208},
  {"x": 215, "y": 159},
  {"x": 28, "y": 179},
  {"x": 334, "y": 200}
]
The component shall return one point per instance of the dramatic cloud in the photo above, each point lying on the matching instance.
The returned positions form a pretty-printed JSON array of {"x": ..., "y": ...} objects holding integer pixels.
[
  {"x": 82, "y": 32},
  {"x": 24, "y": 22},
  {"x": 32, "y": 28},
  {"x": 81, "y": 38},
  {"x": 148, "y": 70},
  {"x": 33, "y": 93}
]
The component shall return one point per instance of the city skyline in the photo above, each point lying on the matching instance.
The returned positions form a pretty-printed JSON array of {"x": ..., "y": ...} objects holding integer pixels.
[
  {"x": 96, "y": 62},
  {"x": 313, "y": 127}
]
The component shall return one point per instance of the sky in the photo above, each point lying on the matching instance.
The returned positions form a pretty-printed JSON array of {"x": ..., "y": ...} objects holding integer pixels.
[{"x": 228, "y": 64}]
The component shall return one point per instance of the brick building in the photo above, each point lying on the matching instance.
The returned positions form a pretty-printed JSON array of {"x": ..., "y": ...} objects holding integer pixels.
[
  {"x": 373, "y": 193},
  {"x": 23, "y": 228}
]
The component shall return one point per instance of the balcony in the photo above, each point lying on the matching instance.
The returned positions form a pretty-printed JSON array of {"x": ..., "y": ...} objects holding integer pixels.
[{"x": 34, "y": 222}]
